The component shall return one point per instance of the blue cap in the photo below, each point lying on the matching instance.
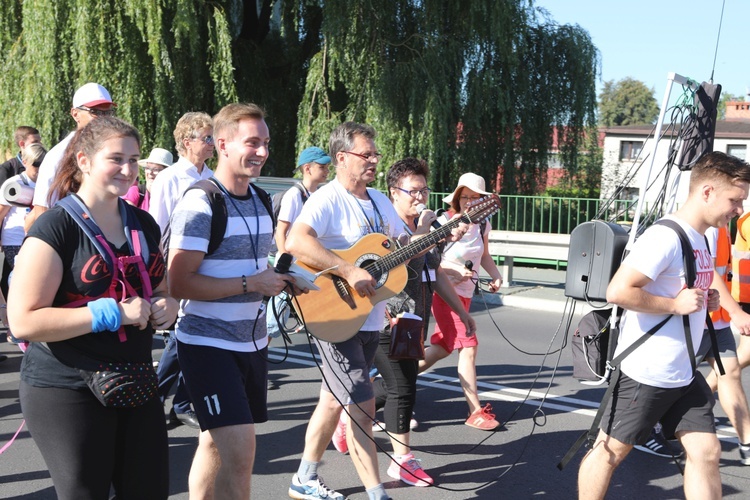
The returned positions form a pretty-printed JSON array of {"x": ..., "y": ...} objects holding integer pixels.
[{"x": 313, "y": 154}]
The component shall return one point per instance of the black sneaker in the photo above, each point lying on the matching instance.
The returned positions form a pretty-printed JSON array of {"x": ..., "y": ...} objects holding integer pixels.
[{"x": 658, "y": 445}]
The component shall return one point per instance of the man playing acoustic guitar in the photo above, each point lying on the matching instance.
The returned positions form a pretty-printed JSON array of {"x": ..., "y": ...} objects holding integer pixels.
[{"x": 337, "y": 216}]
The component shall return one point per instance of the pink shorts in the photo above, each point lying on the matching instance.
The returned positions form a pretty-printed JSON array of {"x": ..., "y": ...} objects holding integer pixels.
[{"x": 450, "y": 331}]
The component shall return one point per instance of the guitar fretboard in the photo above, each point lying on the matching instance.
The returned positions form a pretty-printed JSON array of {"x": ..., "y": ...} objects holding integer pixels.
[{"x": 401, "y": 255}]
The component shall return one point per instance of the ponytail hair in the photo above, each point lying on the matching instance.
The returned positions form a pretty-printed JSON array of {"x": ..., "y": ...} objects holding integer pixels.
[{"x": 88, "y": 140}]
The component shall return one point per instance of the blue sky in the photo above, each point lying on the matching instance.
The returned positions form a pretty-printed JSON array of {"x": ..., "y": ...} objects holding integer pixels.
[{"x": 647, "y": 39}]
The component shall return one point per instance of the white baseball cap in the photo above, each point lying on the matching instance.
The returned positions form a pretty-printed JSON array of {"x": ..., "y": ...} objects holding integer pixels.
[
  {"x": 159, "y": 156},
  {"x": 90, "y": 95}
]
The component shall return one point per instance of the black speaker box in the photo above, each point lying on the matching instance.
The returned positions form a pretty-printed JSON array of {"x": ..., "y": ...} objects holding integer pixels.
[{"x": 595, "y": 252}]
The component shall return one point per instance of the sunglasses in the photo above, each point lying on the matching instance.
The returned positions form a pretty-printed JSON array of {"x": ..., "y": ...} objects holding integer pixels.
[
  {"x": 209, "y": 139},
  {"x": 98, "y": 112}
]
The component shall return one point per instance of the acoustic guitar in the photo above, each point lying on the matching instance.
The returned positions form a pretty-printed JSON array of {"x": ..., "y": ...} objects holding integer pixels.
[{"x": 336, "y": 312}]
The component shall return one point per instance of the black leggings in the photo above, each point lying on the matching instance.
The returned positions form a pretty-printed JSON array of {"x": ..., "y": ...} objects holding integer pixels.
[
  {"x": 88, "y": 448},
  {"x": 396, "y": 391}
]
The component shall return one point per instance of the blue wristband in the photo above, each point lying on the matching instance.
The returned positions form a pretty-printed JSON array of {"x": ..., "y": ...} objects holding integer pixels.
[{"x": 105, "y": 315}]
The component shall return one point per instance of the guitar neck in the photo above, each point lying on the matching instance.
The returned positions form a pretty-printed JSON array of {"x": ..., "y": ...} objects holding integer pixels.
[{"x": 419, "y": 245}]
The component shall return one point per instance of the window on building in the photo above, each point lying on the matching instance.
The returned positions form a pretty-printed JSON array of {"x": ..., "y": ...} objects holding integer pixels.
[
  {"x": 554, "y": 160},
  {"x": 629, "y": 150},
  {"x": 738, "y": 150}
]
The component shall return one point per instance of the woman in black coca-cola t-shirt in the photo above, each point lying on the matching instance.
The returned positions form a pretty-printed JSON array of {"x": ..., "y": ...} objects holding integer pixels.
[{"x": 89, "y": 447}]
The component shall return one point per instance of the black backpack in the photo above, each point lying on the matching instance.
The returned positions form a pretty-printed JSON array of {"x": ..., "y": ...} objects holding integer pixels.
[
  {"x": 276, "y": 202},
  {"x": 219, "y": 214}
]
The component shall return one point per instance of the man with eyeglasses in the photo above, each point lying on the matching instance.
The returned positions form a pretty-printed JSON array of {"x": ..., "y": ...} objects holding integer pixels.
[
  {"x": 337, "y": 216},
  {"x": 89, "y": 102},
  {"x": 193, "y": 137}
]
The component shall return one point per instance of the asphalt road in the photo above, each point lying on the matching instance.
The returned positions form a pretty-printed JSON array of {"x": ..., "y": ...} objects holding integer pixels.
[{"x": 543, "y": 407}]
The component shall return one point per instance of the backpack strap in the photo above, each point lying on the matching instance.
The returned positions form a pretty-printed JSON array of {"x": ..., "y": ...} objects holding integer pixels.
[
  {"x": 302, "y": 191},
  {"x": 219, "y": 214},
  {"x": 589, "y": 436},
  {"x": 137, "y": 244},
  {"x": 688, "y": 258},
  {"x": 265, "y": 198}
]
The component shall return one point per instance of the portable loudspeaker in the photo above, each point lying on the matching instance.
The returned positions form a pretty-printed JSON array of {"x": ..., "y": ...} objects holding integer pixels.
[{"x": 595, "y": 252}]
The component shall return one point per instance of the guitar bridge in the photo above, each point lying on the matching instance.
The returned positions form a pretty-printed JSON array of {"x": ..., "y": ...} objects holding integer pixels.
[{"x": 344, "y": 291}]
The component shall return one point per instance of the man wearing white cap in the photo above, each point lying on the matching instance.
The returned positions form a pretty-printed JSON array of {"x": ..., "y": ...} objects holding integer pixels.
[
  {"x": 140, "y": 194},
  {"x": 89, "y": 101}
]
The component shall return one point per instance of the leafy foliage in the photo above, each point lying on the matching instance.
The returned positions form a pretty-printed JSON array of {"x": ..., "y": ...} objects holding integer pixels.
[
  {"x": 470, "y": 86},
  {"x": 627, "y": 102}
]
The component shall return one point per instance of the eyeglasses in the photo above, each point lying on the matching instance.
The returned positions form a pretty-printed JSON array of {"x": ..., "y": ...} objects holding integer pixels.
[
  {"x": 98, "y": 112},
  {"x": 369, "y": 157},
  {"x": 36, "y": 164},
  {"x": 153, "y": 170},
  {"x": 425, "y": 192},
  {"x": 470, "y": 198},
  {"x": 209, "y": 139}
]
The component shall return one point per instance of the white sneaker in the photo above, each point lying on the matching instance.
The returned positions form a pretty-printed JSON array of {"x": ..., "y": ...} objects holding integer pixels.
[{"x": 314, "y": 489}]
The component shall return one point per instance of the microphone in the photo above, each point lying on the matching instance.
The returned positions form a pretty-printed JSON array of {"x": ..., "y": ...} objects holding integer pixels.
[
  {"x": 282, "y": 267},
  {"x": 470, "y": 266},
  {"x": 421, "y": 208}
]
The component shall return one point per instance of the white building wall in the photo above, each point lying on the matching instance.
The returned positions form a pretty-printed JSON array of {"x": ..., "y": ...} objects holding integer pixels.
[{"x": 614, "y": 171}]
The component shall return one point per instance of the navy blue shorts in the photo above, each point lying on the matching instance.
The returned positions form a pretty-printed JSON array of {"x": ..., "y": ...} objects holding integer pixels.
[{"x": 226, "y": 387}]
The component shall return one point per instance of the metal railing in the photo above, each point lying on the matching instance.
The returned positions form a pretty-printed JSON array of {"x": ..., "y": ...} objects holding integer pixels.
[
  {"x": 533, "y": 214},
  {"x": 549, "y": 214}
]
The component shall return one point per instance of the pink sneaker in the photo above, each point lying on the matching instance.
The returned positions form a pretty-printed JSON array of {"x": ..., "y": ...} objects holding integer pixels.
[
  {"x": 483, "y": 419},
  {"x": 409, "y": 471},
  {"x": 339, "y": 437}
]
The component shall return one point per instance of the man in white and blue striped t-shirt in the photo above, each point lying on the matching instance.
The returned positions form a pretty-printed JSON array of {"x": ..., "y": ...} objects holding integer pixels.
[{"x": 221, "y": 330}]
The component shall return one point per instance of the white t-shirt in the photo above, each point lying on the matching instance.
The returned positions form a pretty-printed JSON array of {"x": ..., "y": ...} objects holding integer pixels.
[
  {"x": 340, "y": 220},
  {"x": 13, "y": 232},
  {"x": 663, "y": 360},
  {"x": 170, "y": 185},
  {"x": 47, "y": 171},
  {"x": 470, "y": 247},
  {"x": 290, "y": 207}
]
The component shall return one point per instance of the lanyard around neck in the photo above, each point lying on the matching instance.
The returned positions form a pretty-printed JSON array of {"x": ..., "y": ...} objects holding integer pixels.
[
  {"x": 379, "y": 226},
  {"x": 253, "y": 244}
]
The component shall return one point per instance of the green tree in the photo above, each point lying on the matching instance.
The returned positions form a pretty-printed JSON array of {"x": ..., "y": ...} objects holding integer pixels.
[
  {"x": 470, "y": 86},
  {"x": 627, "y": 102}
]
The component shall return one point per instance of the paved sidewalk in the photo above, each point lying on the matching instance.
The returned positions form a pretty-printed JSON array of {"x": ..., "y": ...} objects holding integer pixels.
[{"x": 536, "y": 289}]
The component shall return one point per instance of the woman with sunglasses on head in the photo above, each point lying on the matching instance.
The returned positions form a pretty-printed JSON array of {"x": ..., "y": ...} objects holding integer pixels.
[
  {"x": 450, "y": 331},
  {"x": 65, "y": 307},
  {"x": 395, "y": 390}
]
